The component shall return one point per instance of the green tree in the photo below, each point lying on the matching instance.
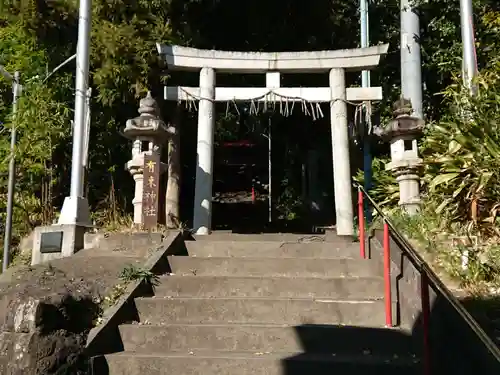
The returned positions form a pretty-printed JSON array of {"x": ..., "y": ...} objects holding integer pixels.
[
  {"x": 42, "y": 126},
  {"x": 36, "y": 35},
  {"x": 462, "y": 152}
]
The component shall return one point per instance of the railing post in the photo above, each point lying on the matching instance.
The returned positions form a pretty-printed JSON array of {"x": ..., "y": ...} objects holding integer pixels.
[
  {"x": 361, "y": 219},
  {"x": 253, "y": 192},
  {"x": 387, "y": 277},
  {"x": 424, "y": 295}
]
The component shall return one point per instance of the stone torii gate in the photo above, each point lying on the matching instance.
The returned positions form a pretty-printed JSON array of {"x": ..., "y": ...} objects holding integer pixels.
[{"x": 208, "y": 62}]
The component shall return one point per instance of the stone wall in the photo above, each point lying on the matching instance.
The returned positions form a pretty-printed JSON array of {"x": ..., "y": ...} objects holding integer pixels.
[{"x": 46, "y": 336}]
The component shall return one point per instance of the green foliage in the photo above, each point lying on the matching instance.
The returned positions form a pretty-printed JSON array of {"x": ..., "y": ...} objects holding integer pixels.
[
  {"x": 461, "y": 150},
  {"x": 459, "y": 218},
  {"x": 132, "y": 273},
  {"x": 42, "y": 125},
  {"x": 462, "y": 155},
  {"x": 19, "y": 50},
  {"x": 226, "y": 128},
  {"x": 110, "y": 300},
  {"x": 289, "y": 204},
  {"x": 385, "y": 190},
  {"x": 36, "y": 36},
  {"x": 129, "y": 274},
  {"x": 447, "y": 244},
  {"x": 123, "y": 47}
]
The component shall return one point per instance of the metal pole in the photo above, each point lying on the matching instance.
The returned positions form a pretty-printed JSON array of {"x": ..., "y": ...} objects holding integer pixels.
[
  {"x": 411, "y": 69},
  {"x": 59, "y": 67},
  {"x": 82, "y": 74},
  {"x": 85, "y": 160},
  {"x": 468, "y": 44},
  {"x": 270, "y": 198},
  {"x": 75, "y": 207},
  {"x": 16, "y": 88},
  {"x": 365, "y": 82},
  {"x": 87, "y": 129},
  {"x": 365, "y": 38}
]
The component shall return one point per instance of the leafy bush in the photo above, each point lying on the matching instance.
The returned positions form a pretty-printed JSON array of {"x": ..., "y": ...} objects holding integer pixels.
[
  {"x": 472, "y": 261},
  {"x": 385, "y": 190},
  {"x": 462, "y": 157},
  {"x": 462, "y": 152}
]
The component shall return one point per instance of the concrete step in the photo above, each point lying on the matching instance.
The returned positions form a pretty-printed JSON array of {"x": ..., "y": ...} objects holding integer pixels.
[
  {"x": 260, "y": 338},
  {"x": 253, "y": 237},
  {"x": 260, "y": 311},
  {"x": 206, "y": 363},
  {"x": 99, "y": 243},
  {"x": 273, "y": 249},
  {"x": 278, "y": 287},
  {"x": 275, "y": 267}
]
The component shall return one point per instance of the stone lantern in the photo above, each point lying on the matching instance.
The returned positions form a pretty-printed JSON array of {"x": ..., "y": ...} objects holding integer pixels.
[
  {"x": 402, "y": 132},
  {"x": 148, "y": 133}
]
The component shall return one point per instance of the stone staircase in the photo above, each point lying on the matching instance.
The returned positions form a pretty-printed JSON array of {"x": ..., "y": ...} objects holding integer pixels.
[{"x": 257, "y": 304}]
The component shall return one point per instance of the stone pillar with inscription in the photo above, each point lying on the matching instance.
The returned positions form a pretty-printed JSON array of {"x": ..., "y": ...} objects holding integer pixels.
[
  {"x": 149, "y": 134},
  {"x": 150, "y": 190}
]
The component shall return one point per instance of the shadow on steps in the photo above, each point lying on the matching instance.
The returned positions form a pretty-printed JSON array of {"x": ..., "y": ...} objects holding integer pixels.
[
  {"x": 453, "y": 348},
  {"x": 326, "y": 349}
]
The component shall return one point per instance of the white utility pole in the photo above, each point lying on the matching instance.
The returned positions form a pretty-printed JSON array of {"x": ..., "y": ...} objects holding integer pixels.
[
  {"x": 75, "y": 208},
  {"x": 411, "y": 68},
  {"x": 365, "y": 37},
  {"x": 365, "y": 82},
  {"x": 270, "y": 174},
  {"x": 469, "y": 64}
]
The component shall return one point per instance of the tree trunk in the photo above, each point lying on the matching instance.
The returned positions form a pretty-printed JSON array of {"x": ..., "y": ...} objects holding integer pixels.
[{"x": 172, "y": 195}]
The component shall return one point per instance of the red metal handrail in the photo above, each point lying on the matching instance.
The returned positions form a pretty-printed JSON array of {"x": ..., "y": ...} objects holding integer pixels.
[
  {"x": 387, "y": 256},
  {"x": 428, "y": 279},
  {"x": 387, "y": 277},
  {"x": 361, "y": 221}
]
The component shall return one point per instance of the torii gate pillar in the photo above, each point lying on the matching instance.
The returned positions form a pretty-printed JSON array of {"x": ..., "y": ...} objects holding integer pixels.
[
  {"x": 205, "y": 149},
  {"x": 340, "y": 154}
]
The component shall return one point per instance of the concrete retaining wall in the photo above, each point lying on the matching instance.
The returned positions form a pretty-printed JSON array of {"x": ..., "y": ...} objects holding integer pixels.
[{"x": 455, "y": 346}]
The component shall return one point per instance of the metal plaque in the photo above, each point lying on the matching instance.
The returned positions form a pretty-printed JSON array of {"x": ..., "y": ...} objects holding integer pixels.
[{"x": 51, "y": 242}]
